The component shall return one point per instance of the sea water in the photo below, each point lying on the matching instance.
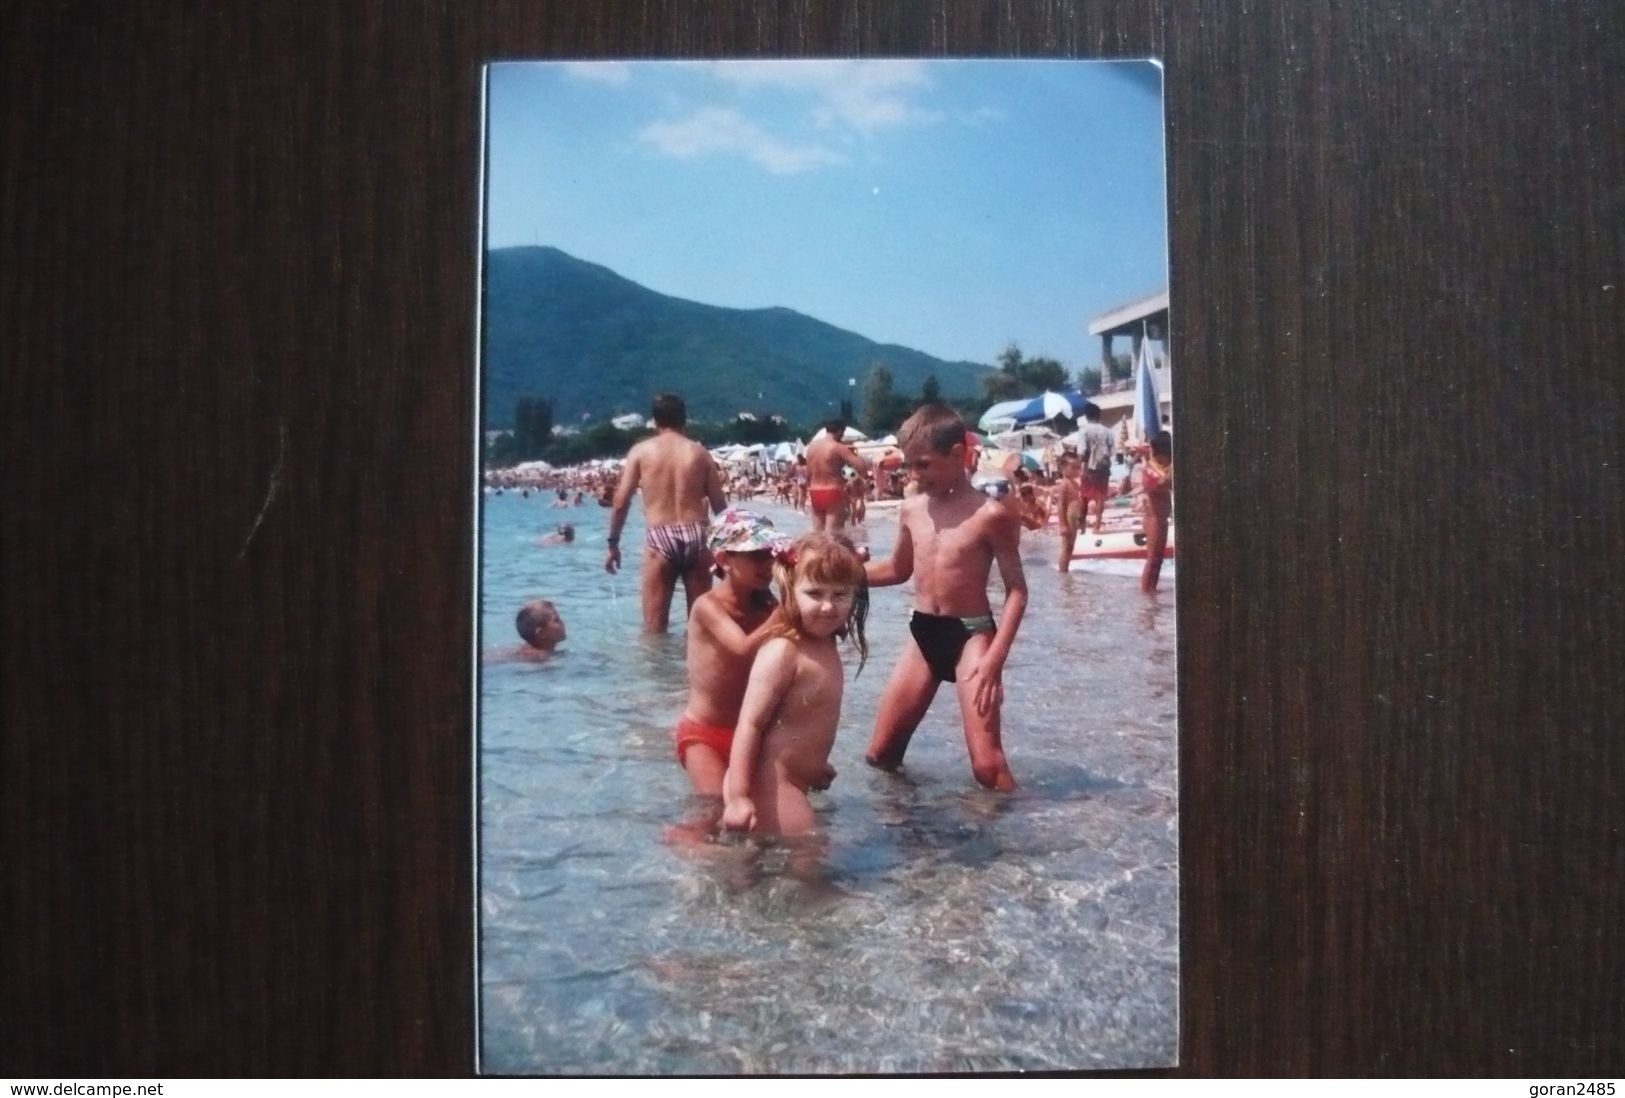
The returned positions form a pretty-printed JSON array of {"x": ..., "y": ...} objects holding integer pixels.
[{"x": 949, "y": 928}]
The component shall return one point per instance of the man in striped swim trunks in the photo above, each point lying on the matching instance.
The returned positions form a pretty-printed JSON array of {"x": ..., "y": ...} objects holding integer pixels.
[{"x": 679, "y": 482}]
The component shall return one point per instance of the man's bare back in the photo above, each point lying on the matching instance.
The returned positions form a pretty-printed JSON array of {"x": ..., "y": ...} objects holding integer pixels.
[
  {"x": 678, "y": 478},
  {"x": 826, "y": 457},
  {"x": 679, "y": 481},
  {"x": 826, "y": 488}
]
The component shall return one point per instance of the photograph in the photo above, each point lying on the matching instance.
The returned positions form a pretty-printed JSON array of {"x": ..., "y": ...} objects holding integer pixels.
[{"x": 825, "y": 673}]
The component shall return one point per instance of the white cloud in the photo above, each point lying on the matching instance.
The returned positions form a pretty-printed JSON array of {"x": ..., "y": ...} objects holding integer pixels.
[
  {"x": 599, "y": 72},
  {"x": 725, "y": 130},
  {"x": 863, "y": 96}
]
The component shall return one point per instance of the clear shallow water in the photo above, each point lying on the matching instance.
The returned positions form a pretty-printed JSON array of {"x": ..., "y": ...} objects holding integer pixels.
[{"x": 959, "y": 930}]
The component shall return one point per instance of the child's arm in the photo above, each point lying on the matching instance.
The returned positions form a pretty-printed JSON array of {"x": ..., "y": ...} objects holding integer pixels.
[
  {"x": 715, "y": 621},
  {"x": 770, "y": 678},
  {"x": 985, "y": 676},
  {"x": 900, "y": 565}
]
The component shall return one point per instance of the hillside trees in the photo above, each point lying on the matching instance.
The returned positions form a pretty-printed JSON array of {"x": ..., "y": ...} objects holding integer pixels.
[
  {"x": 532, "y": 426},
  {"x": 883, "y": 407},
  {"x": 1018, "y": 376},
  {"x": 531, "y": 436}
]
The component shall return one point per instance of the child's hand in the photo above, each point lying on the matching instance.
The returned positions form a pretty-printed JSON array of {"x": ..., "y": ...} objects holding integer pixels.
[
  {"x": 825, "y": 778},
  {"x": 987, "y": 680},
  {"x": 739, "y": 814}
]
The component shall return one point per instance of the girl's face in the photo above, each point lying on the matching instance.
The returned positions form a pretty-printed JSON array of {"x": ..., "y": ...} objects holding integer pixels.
[
  {"x": 752, "y": 571},
  {"x": 823, "y": 607}
]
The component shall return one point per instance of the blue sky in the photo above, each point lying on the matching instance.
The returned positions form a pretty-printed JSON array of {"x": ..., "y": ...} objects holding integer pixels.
[{"x": 948, "y": 206}]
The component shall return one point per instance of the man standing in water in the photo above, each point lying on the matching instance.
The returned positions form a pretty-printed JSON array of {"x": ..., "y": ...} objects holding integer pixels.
[
  {"x": 1095, "y": 446},
  {"x": 678, "y": 479},
  {"x": 826, "y": 490}
]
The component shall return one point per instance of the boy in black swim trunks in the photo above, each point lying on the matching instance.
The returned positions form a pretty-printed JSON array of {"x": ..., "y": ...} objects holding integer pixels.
[{"x": 949, "y": 537}]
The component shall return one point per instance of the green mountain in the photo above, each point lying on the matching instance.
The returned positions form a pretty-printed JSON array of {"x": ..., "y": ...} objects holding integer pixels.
[{"x": 599, "y": 344}]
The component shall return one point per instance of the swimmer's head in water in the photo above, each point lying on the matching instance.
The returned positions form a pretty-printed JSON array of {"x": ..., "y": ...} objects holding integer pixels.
[
  {"x": 567, "y": 531},
  {"x": 539, "y": 624}
]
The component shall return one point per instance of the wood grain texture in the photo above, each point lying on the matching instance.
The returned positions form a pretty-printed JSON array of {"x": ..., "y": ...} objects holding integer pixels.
[{"x": 236, "y": 321}]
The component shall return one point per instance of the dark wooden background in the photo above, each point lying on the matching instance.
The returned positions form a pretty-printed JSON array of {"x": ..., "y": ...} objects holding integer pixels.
[{"x": 236, "y": 304}]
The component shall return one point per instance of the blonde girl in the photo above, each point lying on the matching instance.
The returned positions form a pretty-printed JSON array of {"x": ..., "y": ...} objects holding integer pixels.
[{"x": 792, "y": 704}]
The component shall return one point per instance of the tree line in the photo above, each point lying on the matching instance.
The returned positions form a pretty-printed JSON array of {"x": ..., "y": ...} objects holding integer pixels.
[
  {"x": 1015, "y": 377},
  {"x": 881, "y": 411}
]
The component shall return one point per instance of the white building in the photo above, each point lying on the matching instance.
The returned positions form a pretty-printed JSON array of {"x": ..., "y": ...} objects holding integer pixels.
[{"x": 1142, "y": 320}]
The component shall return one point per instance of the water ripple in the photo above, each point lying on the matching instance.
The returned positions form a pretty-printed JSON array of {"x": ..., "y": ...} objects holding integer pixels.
[{"x": 946, "y": 928}]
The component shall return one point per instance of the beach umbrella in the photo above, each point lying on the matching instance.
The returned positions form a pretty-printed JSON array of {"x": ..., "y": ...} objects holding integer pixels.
[
  {"x": 852, "y": 434},
  {"x": 1048, "y": 405},
  {"x": 1147, "y": 410},
  {"x": 1002, "y": 414}
]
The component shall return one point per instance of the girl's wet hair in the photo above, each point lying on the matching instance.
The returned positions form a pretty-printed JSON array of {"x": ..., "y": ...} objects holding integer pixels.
[{"x": 823, "y": 558}]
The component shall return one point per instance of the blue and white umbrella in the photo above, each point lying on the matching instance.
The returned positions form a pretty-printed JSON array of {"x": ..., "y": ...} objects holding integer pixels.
[
  {"x": 1147, "y": 409},
  {"x": 1002, "y": 415},
  {"x": 1047, "y": 406}
]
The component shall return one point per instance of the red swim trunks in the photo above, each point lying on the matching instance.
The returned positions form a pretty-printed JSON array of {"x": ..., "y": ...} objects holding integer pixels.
[
  {"x": 1096, "y": 484},
  {"x": 825, "y": 498},
  {"x": 690, "y": 732}
]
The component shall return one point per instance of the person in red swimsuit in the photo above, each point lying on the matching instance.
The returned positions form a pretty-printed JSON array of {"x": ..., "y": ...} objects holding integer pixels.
[
  {"x": 724, "y": 632},
  {"x": 1157, "y": 482},
  {"x": 827, "y": 456}
]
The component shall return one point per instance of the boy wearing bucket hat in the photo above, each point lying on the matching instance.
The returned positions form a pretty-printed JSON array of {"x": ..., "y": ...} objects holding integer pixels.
[{"x": 724, "y": 632}]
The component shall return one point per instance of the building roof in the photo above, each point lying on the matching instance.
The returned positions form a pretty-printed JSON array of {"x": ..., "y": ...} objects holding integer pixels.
[{"x": 1123, "y": 319}]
